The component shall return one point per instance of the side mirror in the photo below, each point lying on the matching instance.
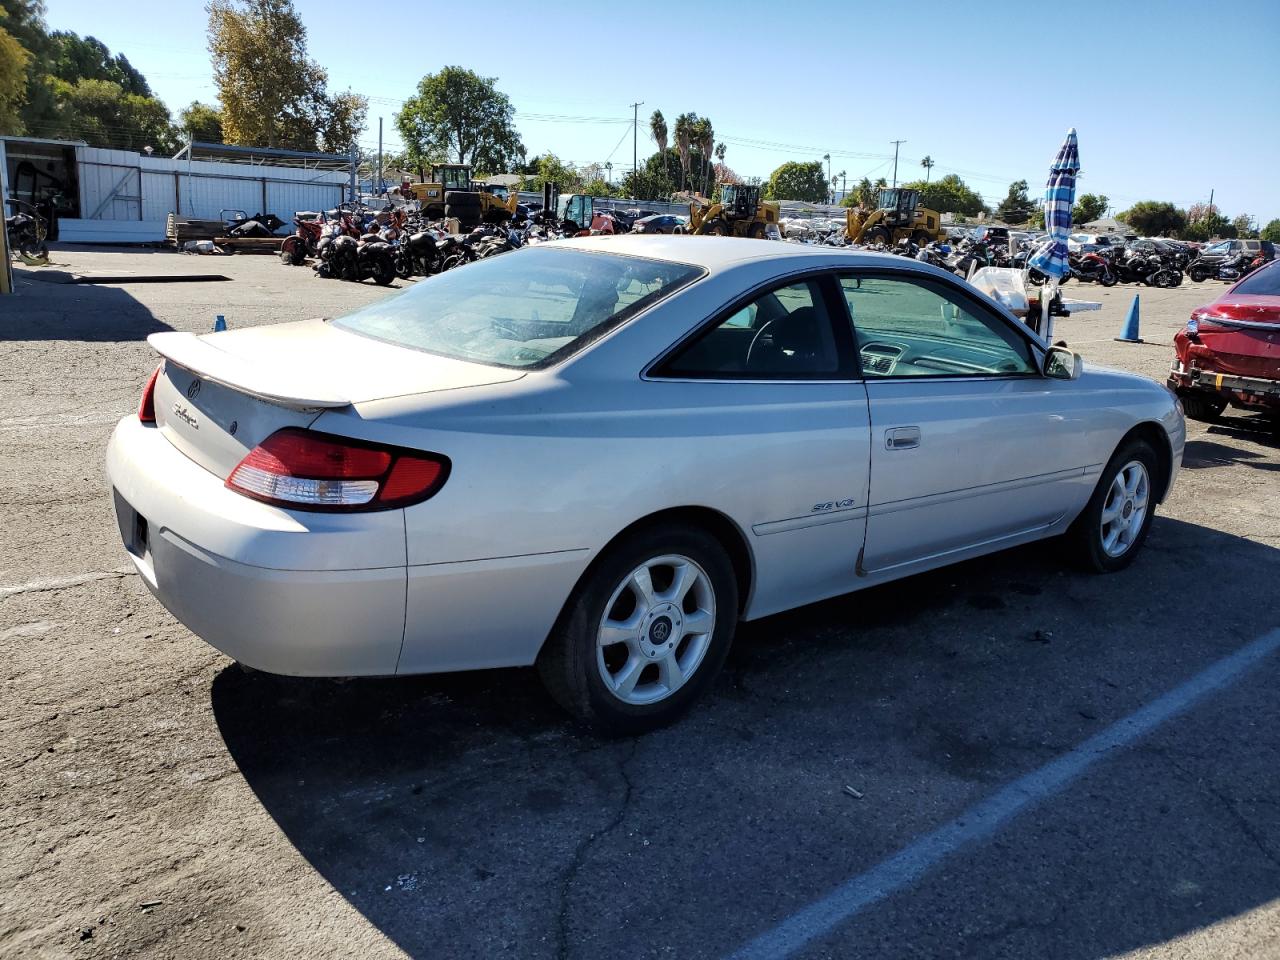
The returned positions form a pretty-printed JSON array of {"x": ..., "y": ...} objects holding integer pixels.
[{"x": 1062, "y": 364}]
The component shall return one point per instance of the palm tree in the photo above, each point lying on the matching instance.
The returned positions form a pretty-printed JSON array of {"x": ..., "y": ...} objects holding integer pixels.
[
  {"x": 927, "y": 163},
  {"x": 684, "y": 134},
  {"x": 658, "y": 127},
  {"x": 844, "y": 181},
  {"x": 706, "y": 142}
]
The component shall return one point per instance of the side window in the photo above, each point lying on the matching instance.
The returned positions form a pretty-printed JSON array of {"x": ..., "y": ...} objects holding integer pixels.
[
  {"x": 785, "y": 334},
  {"x": 907, "y": 328}
]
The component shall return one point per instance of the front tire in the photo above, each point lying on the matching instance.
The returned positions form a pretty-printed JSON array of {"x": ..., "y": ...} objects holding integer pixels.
[
  {"x": 1204, "y": 409},
  {"x": 1113, "y": 526},
  {"x": 645, "y": 631}
]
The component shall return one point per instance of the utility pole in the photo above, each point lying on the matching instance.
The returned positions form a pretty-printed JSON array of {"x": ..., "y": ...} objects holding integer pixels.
[
  {"x": 1211, "y": 199},
  {"x": 896, "y": 144},
  {"x": 635, "y": 137},
  {"x": 827, "y": 157},
  {"x": 377, "y": 191}
]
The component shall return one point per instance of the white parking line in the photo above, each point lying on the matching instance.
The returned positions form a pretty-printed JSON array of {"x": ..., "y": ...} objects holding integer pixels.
[
  {"x": 979, "y": 822},
  {"x": 61, "y": 583}
]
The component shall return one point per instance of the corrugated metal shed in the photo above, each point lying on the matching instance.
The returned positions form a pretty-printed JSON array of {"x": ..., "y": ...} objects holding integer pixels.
[{"x": 121, "y": 185}]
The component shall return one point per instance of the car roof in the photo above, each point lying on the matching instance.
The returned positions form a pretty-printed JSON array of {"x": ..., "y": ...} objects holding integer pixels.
[{"x": 713, "y": 253}]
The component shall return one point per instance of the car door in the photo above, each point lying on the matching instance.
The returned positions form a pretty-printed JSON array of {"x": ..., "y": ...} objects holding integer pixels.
[
  {"x": 971, "y": 446},
  {"x": 787, "y": 431}
]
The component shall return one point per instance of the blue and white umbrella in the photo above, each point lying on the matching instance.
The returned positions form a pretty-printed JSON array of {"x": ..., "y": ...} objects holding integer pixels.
[{"x": 1059, "y": 197}]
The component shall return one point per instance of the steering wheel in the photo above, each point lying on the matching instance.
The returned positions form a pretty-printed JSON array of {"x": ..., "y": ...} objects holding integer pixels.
[{"x": 754, "y": 340}]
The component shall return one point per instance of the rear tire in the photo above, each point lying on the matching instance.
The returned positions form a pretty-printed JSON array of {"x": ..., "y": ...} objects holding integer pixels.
[
  {"x": 1136, "y": 466},
  {"x": 1201, "y": 408},
  {"x": 667, "y": 663},
  {"x": 1198, "y": 274}
]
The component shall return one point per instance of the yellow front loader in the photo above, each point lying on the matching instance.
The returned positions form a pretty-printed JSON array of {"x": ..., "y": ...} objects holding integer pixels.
[
  {"x": 739, "y": 213},
  {"x": 451, "y": 192},
  {"x": 898, "y": 215}
]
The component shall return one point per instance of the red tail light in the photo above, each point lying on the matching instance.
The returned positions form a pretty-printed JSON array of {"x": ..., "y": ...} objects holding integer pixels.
[
  {"x": 147, "y": 405},
  {"x": 305, "y": 470}
]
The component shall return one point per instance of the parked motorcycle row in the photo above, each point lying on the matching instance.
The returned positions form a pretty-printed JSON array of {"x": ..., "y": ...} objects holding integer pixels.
[
  {"x": 355, "y": 244},
  {"x": 1107, "y": 266}
]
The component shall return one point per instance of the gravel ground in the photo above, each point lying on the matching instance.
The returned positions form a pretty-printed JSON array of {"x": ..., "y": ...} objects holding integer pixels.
[{"x": 157, "y": 801}]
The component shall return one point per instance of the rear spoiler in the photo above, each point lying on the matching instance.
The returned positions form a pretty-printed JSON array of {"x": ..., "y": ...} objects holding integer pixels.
[{"x": 283, "y": 388}]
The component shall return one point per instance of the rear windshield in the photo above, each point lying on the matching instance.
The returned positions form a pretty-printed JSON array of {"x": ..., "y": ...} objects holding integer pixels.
[
  {"x": 1263, "y": 283},
  {"x": 530, "y": 308}
]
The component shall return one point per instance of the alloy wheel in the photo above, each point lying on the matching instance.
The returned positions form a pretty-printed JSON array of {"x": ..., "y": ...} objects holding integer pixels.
[
  {"x": 656, "y": 629},
  {"x": 1125, "y": 509}
]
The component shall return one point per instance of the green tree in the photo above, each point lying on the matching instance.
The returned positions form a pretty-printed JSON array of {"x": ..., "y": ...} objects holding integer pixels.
[
  {"x": 203, "y": 120},
  {"x": 1244, "y": 226},
  {"x": 1016, "y": 207},
  {"x": 100, "y": 112},
  {"x": 463, "y": 116},
  {"x": 1271, "y": 231},
  {"x": 24, "y": 21},
  {"x": 1089, "y": 207},
  {"x": 13, "y": 79},
  {"x": 74, "y": 58},
  {"x": 1151, "y": 218},
  {"x": 948, "y": 194},
  {"x": 656, "y": 179},
  {"x": 272, "y": 93},
  {"x": 798, "y": 181},
  {"x": 1208, "y": 224},
  {"x": 550, "y": 169}
]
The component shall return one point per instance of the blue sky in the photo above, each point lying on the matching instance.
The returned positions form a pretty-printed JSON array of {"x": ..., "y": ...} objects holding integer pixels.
[{"x": 1170, "y": 99}]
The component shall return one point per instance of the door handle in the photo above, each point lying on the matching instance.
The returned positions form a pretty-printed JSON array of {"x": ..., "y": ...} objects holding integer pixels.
[{"x": 902, "y": 438}]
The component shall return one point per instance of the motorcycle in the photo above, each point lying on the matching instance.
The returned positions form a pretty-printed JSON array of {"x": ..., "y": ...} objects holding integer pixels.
[
  {"x": 1149, "y": 269},
  {"x": 343, "y": 257},
  {"x": 1092, "y": 268},
  {"x": 304, "y": 241},
  {"x": 27, "y": 231},
  {"x": 1239, "y": 265}
]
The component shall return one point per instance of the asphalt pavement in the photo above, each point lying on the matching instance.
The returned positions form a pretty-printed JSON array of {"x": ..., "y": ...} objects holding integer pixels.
[{"x": 1007, "y": 758}]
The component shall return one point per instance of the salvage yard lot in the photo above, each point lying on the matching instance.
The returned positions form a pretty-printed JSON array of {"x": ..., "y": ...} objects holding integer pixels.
[{"x": 157, "y": 801}]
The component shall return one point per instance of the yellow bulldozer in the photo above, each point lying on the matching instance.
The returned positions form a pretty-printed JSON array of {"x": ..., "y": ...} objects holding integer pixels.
[
  {"x": 898, "y": 215},
  {"x": 739, "y": 213},
  {"x": 452, "y": 193}
]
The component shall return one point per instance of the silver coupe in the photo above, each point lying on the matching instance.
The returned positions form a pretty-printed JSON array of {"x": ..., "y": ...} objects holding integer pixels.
[{"x": 600, "y": 455}]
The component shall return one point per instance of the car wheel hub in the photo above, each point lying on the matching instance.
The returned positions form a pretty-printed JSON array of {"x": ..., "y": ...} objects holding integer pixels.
[
  {"x": 1124, "y": 509},
  {"x": 656, "y": 629}
]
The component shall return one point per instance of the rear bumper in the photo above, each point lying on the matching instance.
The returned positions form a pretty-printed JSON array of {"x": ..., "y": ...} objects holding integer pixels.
[
  {"x": 316, "y": 594},
  {"x": 1241, "y": 391},
  {"x": 276, "y": 590}
]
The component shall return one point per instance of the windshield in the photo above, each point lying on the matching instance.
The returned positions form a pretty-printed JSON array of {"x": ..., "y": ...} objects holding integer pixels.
[
  {"x": 524, "y": 309},
  {"x": 1263, "y": 283}
]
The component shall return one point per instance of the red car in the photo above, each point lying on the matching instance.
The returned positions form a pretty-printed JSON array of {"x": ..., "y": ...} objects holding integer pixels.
[{"x": 1229, "y": 352}]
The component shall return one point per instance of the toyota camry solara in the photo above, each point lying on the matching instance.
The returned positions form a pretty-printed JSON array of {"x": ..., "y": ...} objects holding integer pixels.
[{"x": 600, "y": 455}]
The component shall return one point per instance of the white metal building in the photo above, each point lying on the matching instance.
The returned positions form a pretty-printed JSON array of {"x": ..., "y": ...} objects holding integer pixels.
[{"x": 117, "y": 196}]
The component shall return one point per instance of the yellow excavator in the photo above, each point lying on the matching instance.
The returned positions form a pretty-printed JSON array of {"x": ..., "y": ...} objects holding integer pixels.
[
  {"x": 739, "y": 213},
  {"x": 898, "y": 215},
  {"x": 452, "y": 193}
]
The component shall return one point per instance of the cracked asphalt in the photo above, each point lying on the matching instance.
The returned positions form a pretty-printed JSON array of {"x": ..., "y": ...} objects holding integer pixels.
[{"x": 156, "y": 801}]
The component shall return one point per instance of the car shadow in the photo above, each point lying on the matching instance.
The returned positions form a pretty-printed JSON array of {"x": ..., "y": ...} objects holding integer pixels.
[
  {"x": 42, "y": 310},
  {"x": 463, "y": 815},
  {"x": 1248, "y": 426},
  {"x": 1202, "y": 454}
]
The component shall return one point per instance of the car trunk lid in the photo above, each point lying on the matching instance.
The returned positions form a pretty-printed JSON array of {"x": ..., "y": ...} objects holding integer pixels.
[{"x": 220, "y": 395}]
